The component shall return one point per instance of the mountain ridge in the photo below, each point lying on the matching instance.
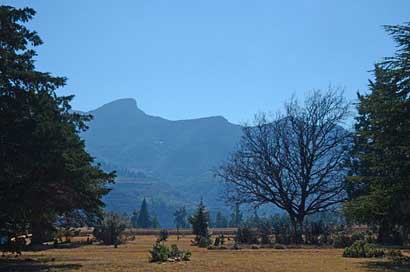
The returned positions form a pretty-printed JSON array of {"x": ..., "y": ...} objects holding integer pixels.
[{"x": 177, "y": 156}]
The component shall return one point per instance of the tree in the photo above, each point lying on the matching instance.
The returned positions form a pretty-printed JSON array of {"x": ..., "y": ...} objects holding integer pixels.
[
  {"x": 221, "y": 221},
  {"x": 379, "y": 184},
  {"x": 144, "y": 219},
  {"x": 295, "y": 161},
  {"x": 110, "y": 228},
  {"x": 180, "y": 218},
  {"x": 200, "y": 222},
  {"x": 236, "y": 217},
  {"x": 154, "y": 222},
  {"x": 45, "y": 170}
]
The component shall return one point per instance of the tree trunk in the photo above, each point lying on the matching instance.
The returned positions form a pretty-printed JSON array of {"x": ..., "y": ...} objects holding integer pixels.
[{"x": 297, "y": 229}]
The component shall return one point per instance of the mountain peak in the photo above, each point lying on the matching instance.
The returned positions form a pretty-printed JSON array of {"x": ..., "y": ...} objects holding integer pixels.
[
  {"x": 125, "y": 106},
  {"x": 123, "y": 102}
]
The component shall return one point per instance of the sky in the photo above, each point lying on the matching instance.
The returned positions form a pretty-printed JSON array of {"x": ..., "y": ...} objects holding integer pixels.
[{"x": 183, "y": 59}]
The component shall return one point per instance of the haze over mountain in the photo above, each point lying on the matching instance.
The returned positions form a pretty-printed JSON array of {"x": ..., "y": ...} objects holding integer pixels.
[{"x": 169, "y": 162}]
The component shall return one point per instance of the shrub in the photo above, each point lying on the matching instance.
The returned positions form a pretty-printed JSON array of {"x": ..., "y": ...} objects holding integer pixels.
[
  {"x": 342, "y": 241},
  {"x": 204, "y": 241},
  {"x": 362, "y": 249},
  {"x": 246, "y": 236},
  {"x": 162, "y": 253},
  {"x": 217, "y": 241},
  {"x": 110, "y": 229},
  {"x": 356, "y": 236},
  {"x": 163, "y": 235},
  {"x": 265, "y": 231}
]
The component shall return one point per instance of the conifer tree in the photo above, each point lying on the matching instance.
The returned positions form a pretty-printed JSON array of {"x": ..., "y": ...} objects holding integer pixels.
[
  {"x": 200, "y": 222},
  {"x": 379, "y": 187},
  {"x": 144, "y": 219},
  {"x": 45, "y": 170}
]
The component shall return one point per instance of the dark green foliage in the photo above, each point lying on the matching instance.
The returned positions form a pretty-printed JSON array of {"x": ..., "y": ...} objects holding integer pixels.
[
  {"x": 341, "y": 240},
  {"x": 236, "y": 217},
  {"x": 379, "y": 185},
  {"x": 110, "y": 228},
  {"x": 204, "y": 241},
  {"x": 45, "y": 170},
  {"x": 162, "y": 253},
  {"x": 221, "y": 221},
  {"x": 180, "y": 220},
  {"x": 200, "y": 222},
  {"x": 264, "y": 230},
  {"x": 361, "y": 249},
  {"x": 245, "y": 235},
  {"x": 163, "y": 235},
  {"x": 317, "y": 232},
  {"x": 154, "y": 222},
  {"x": 282, "y": 229},
  {"x": 144, "y": 219}
]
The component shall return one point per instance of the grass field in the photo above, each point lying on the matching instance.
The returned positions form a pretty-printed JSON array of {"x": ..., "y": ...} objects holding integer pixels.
[{"x": 133, "y": 256}]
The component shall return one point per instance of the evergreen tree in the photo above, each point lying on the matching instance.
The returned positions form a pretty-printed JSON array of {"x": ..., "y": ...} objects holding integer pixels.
[
  {"x": 154, "y": 222},
  {"x": 221, "y": 221},
  {"x": 144, "y": 219},
  {"x": 45, "y": 170},
  {"x": 180, "y": 216},
  {"x": 379, "y": 187},
  {"x": 200, "y": 222},
  {"x": 236, "y": 217}
]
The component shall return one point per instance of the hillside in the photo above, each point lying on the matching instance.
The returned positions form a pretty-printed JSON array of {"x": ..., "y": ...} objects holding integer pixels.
[{"x": 169, "y": 162}]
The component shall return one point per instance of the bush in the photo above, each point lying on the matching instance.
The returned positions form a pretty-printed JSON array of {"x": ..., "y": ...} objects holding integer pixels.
[
  {"x": 204, "y": 241},
  {"x": 246, "y": 236},
  {"x": 163, "y": 253},
  {"x": 342, "y": 241},
  {"x": 163, "y": 235},
  {"x": 356, "y": 236},
  {"x": 110, "y": 228},
  {"x": 362, "y": 249},
  {"x": 265, "y": 231}
]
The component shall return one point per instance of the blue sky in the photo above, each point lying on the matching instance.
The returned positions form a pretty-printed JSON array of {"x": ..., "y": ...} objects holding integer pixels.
[{"x": 191, "y": 58}]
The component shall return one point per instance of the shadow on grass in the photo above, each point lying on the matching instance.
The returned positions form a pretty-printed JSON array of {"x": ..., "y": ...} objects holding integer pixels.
[
  {"x": 30, "y": 265},
  {"x": 43, "y": 247},
  {"x": 388, "y": 266}
]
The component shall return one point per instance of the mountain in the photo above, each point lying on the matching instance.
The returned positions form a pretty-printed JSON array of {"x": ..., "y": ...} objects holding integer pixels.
[{"x": 168, "y": 162}]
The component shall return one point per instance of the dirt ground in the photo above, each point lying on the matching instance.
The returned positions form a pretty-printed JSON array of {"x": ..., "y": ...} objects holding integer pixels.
[{"x": 133, "y": 256}]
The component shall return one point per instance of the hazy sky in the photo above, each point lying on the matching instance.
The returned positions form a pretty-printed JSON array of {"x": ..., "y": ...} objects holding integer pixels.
[{"x": 188, "y": 59}]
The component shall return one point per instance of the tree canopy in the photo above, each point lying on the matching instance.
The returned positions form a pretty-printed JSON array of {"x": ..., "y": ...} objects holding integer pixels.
[
  {"x": 45, "y": 170},
  {"x": 379, "y": 185}
]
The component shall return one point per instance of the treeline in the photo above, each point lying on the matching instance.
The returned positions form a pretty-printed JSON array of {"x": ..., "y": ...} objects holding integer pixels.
[{"x": 302, "y": 160}]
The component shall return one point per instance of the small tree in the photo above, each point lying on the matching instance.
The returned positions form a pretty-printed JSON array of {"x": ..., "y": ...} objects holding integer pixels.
[
  {"x": 236, "y": 217},
  {"x": 144, "y": 219},
  {"x": 110, "y": 228},
  {"x": 221, "y": 221},
  {"x": 200, "y": 222},
  {"x": 163, "y": 235},
  {"x": 180, "y": 219}
]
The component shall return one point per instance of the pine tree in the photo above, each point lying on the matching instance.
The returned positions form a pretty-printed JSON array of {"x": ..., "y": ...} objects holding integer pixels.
[
  {"x": 200, "y": 222},
  {"x": 180, "y": 218},
  {"x": 221, "y": 221},
  {"x": 236, "y": 217},
  {"x": 379, "y": 187},
  {"x": 45, "y": 170},
  {"x": 144, "y": 219}
]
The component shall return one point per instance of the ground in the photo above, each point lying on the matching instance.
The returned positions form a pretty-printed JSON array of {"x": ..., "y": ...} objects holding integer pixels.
[{"x": 133, "y": 256}]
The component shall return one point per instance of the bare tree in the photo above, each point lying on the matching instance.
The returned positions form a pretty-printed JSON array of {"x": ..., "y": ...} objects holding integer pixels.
[{"x": 295, "y": 161}]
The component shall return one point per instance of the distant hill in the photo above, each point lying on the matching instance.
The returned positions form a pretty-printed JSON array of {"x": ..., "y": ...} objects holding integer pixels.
[{"x": 169, "y": 162}]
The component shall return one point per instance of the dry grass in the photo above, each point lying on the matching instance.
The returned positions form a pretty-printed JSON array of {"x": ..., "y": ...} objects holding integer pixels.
[{"x": 133, "y": 256}]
